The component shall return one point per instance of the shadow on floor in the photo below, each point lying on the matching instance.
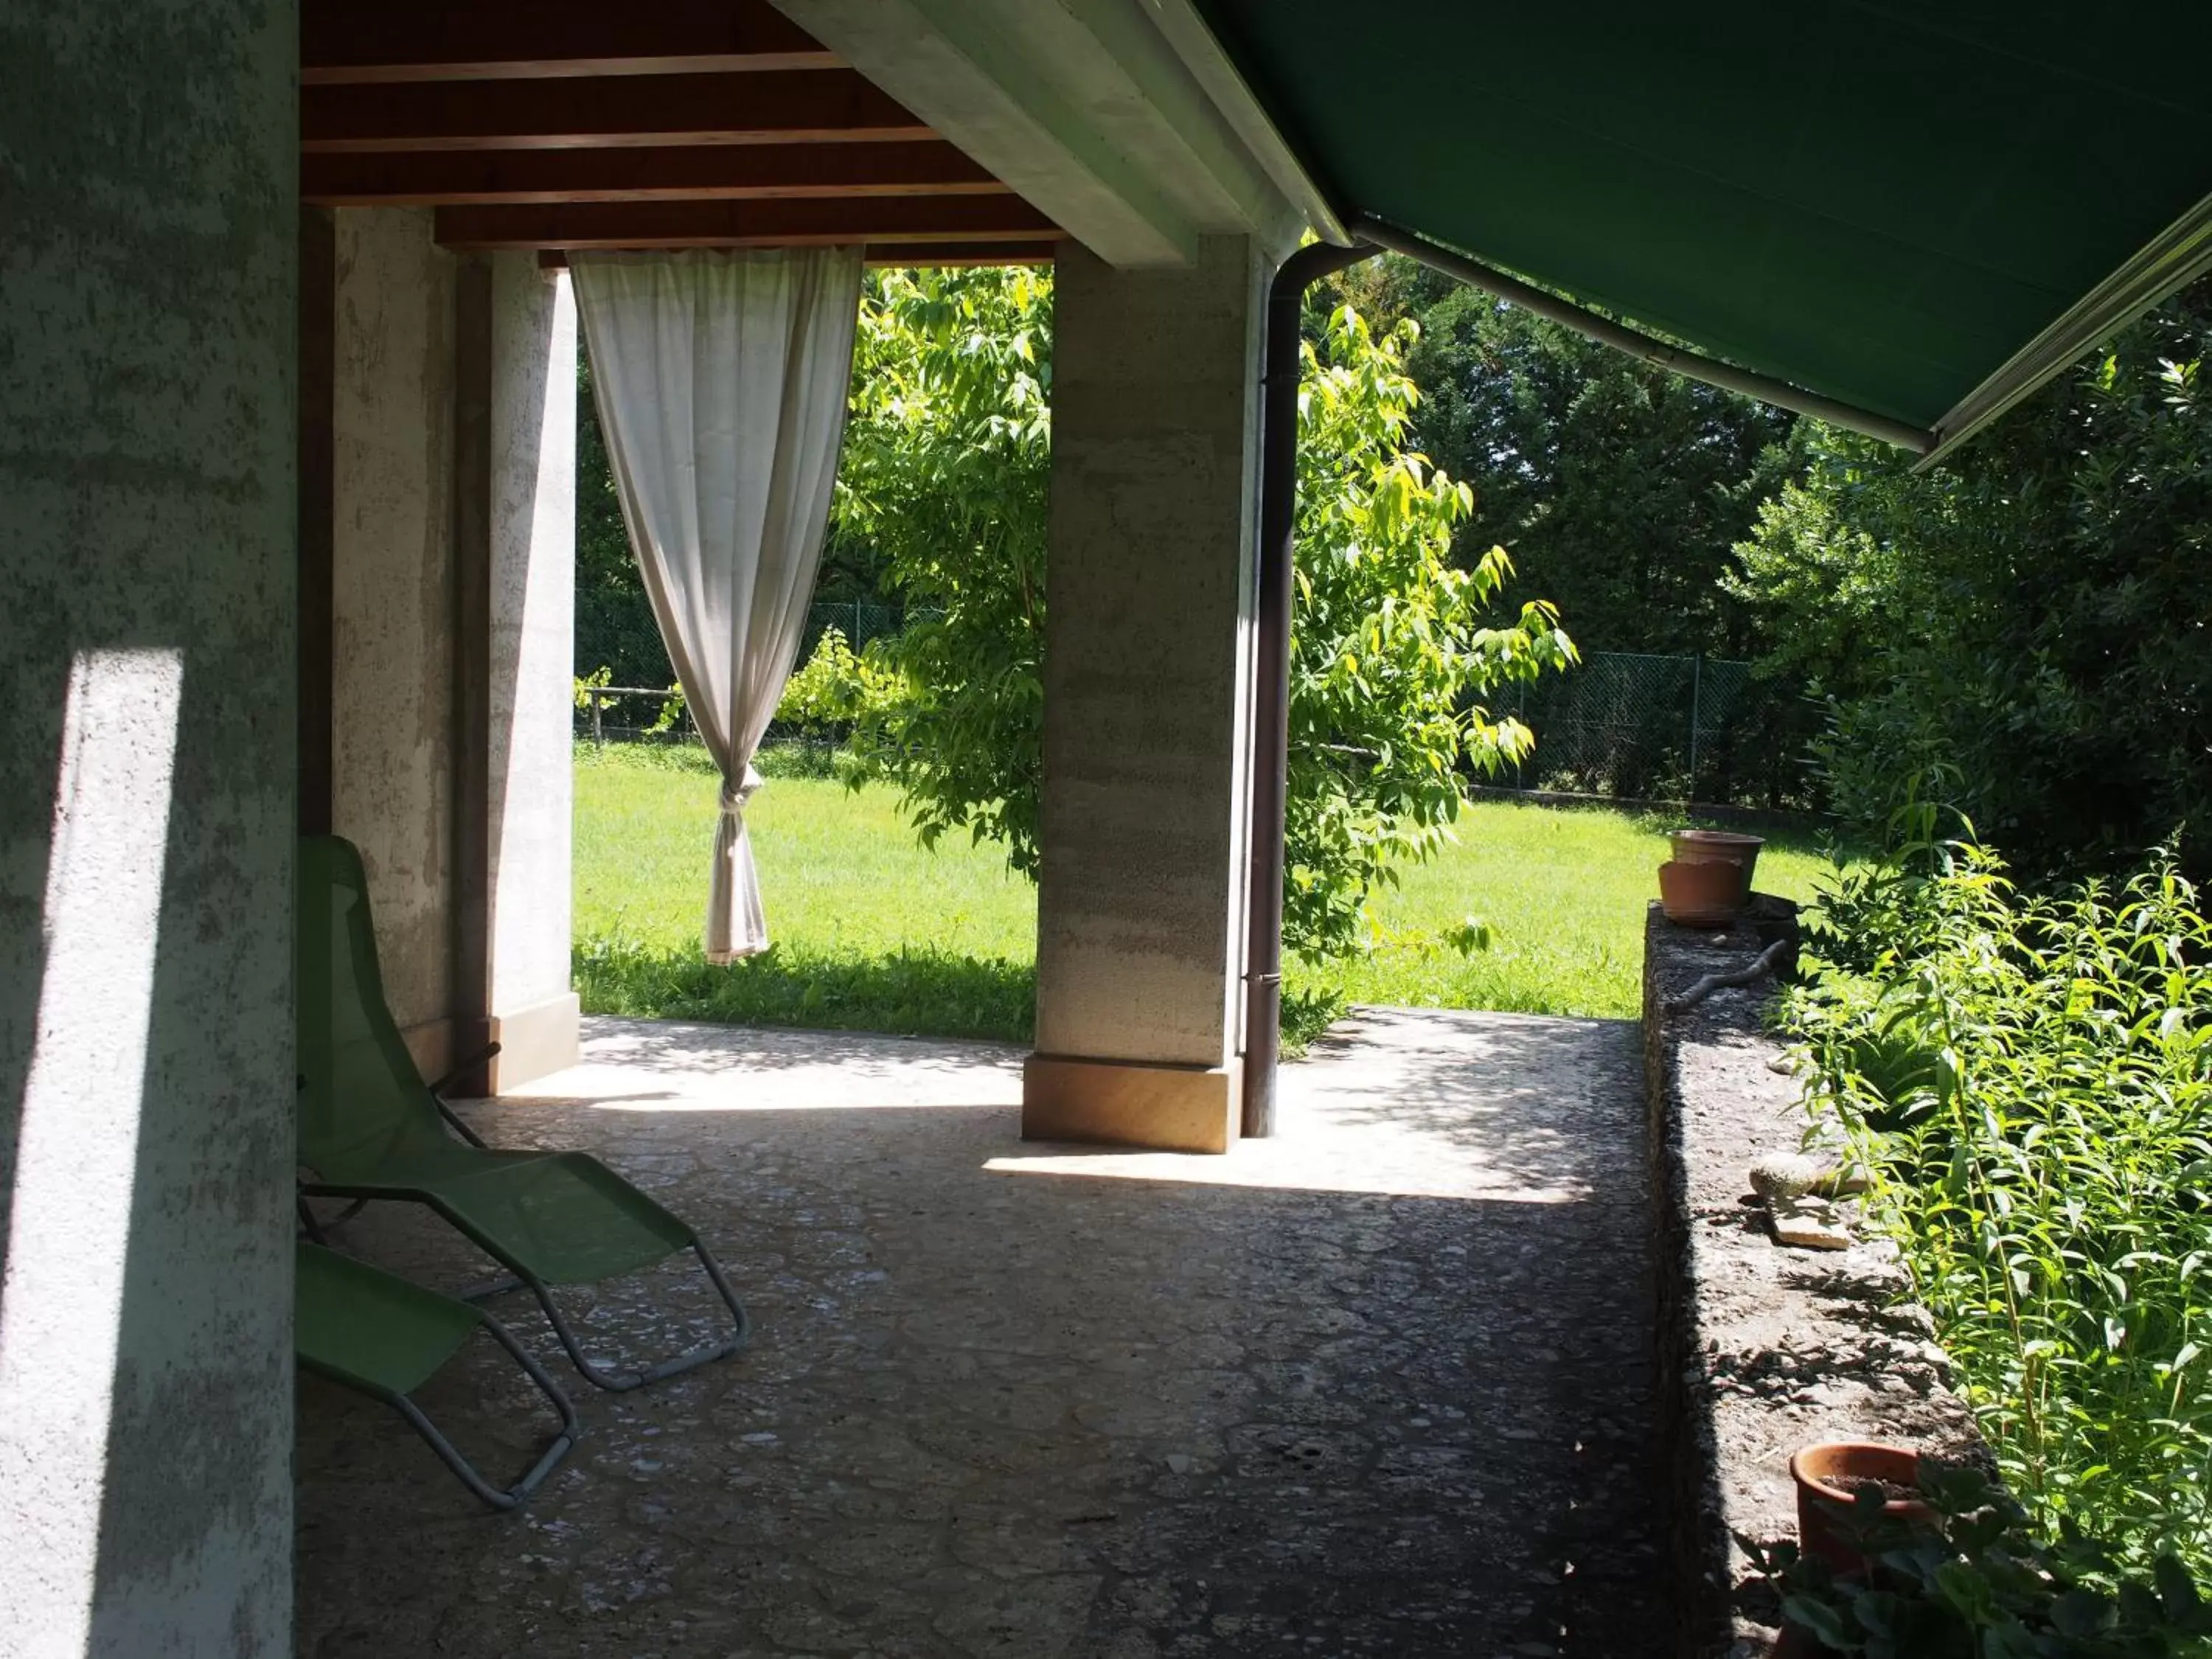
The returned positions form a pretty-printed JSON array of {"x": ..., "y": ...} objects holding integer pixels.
[{"x": 998, "y": 1408}]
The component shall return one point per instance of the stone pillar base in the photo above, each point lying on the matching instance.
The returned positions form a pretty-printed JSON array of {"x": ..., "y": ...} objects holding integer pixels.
[
  {"x": 1122, "y": 1102},
  {"x": 534, "y": 1042}
]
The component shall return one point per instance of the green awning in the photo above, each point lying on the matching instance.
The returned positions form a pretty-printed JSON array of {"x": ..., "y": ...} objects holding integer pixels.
[{"x": 1921, "y": 210}]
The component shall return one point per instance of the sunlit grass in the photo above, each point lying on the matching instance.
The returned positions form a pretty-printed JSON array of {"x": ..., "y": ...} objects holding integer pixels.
[
  {"x": 875, "y": 934},
  {"x": 1562, "y": 890}
]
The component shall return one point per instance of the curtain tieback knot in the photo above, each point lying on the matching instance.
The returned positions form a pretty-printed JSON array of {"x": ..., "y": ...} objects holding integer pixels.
[{"x": 735, "y": 795}]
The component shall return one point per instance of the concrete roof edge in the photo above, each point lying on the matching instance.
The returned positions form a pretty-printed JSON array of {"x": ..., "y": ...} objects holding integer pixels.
[
  {"x": 1187, "y": 33},
  {"x": 1095, "y": 118}
]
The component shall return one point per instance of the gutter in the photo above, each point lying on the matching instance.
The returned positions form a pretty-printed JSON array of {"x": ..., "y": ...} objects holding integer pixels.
[{"x": 1271, "y": 702}]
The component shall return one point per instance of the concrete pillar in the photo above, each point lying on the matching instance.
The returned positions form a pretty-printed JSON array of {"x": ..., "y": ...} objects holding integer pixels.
[
  {"x": 1147, "y": 691},
  {"x": 147, "y": 646},
  {"x": 393, "y": 603},
  {"x": 528, "y": 802},
  {"x": 452, "y": 598}
]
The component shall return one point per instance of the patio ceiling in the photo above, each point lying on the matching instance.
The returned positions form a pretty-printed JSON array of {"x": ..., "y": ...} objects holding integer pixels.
[
  {"x": 557, "y": 125},
  {"x": 1921, "y": 211}
]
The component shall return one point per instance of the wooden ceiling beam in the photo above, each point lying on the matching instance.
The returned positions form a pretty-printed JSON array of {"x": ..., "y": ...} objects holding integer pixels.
[
  {"x": 909, "y": 254},
  {"x": 936, "y": 221},
  {"x": 905, "y": 254},
  {"x": 772, "y": 107},
  {"x": 707, "y": 173},
  {"x": 346, "y": 42}
]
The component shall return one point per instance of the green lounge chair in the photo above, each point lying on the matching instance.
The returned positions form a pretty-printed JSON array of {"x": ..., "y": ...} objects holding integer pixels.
[
  {"x": 374, "y": 1331},
  {"x": 370, "y": 1128}
]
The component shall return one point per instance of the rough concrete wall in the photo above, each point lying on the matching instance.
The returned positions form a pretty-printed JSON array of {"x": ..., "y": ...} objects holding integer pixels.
[
  {"x": 1761, "y": 1350},
  {"x": 146, "y": 817},
  {"x": 1141, "y": 905},
  {"x": 392, "y": 588},
  {"x": 533, "y": 586}
]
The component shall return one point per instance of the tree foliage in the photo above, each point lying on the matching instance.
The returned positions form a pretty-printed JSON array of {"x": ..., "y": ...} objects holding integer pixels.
[
  {"x": 614, "y": 629},
  {"x": 2029, "y": 616},
  {"x": 1391, "y": 646},
  {"x": 1618, "y": 487},
  {"x": 946, "y": 472}
]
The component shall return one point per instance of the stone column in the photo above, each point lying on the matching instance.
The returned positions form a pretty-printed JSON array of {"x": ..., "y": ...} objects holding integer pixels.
[
  {"x": 528, "y": 804},
  {"x": 393, "y": 603},
  {"x": 453, "y": 601},
  {"x": 1140, "y": 915},
  {"x": 147, "y": 646}
]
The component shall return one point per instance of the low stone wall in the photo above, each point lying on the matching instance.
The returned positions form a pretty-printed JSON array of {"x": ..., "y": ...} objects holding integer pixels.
[{"x": 1761, "y": 1349}]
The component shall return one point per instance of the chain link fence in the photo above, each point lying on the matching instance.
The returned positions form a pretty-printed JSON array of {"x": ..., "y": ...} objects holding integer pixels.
[
  {"x": 1667, "y": 728},
  {"x": 646, "y": 713},
  {"x": 1632, "y": 726}
]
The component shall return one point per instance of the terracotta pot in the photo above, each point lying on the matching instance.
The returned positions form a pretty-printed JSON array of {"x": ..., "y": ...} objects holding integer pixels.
[
  {"x": 1701, "y": 894},
  {"x": 1718, "y": 847},
  {"x": 1826, "y": 1527}
]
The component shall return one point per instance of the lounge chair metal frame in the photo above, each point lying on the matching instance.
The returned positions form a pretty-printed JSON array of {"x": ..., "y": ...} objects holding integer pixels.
[
  {"x": 519, "y": 1277},
  {"x": 498, "y": 1498},
  {"x": 614, "y": 1379}
]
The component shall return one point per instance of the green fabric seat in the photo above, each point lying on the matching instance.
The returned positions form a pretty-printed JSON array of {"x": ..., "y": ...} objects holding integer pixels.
[
  {"x": 377, "y": 1334},
  {"x": 570, "y": 1217},
  {"x": 371, "y": 1129},
  {"x": 372, "y": 1330}
]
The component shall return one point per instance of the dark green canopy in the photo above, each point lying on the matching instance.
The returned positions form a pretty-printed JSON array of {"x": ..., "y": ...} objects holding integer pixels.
[{"x": 1920, "y": 210}]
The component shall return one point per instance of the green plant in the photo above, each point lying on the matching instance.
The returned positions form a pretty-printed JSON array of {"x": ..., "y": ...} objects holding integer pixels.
[
  {"x": 841, "y": 694},
  {"x": 2029, "y": 1078},
  {"x": 2030, "y": 611},
  {"x": 1394, "y": 650},
  {"x": 944, "y": 473},
  {"x": 1980, "y": 1584}
]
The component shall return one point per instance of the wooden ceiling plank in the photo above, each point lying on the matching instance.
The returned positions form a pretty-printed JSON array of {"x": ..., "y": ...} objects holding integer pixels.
[
  {"x": 781, "y": 106},
  {"x": 345, "y": 42},
  {"x": 728, "y": 172},
  {"x": 876, "y": 221},
  {"x": 908, "y": 254},
  {"x": 961, "y": 253}
]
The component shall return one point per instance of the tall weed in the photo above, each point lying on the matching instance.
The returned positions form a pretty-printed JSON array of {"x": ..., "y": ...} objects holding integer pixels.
[{"x": 2026, "y": 1077}]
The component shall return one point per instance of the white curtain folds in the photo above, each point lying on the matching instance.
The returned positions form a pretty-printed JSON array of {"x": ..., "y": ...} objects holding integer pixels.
[{"x": 721, "y": 379}]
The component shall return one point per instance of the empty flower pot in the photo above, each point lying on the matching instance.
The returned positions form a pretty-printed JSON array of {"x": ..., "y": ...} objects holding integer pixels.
[
  {"x": 1718, "y": 847},
  {"x": 1830, "y": 1479},
  {"x": 1702, "y": 895}
]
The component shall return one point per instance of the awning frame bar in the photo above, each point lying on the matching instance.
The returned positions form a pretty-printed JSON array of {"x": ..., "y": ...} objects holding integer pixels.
[
  {"x": 2176, "y": 256},
  {"x": 1607, "y": 333}
]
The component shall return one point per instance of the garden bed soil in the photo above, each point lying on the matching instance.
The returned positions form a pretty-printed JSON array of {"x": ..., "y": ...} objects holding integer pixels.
[{"x": 1762, "y": 1349}]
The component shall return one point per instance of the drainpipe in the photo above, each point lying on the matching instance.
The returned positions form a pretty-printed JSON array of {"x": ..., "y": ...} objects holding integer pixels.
[{"x": 1271, "y": 706}]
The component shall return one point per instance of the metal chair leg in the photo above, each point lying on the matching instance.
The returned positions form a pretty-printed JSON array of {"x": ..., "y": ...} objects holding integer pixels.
[
  {"x": 620, "y": 1382},
  {"x": 547, "y": 1461}
]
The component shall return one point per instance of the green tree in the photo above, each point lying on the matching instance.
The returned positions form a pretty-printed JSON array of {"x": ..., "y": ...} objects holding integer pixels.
[
  {"x": 946, "y": 472},
  {"x": 2029, "y": 616},
  {"x": 1619, "y": 488},
  {"x": 614, "y": 629},
  {"x": 1391, "y": 646}
]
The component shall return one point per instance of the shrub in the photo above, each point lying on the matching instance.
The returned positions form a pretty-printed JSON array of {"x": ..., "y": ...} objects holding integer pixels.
[
  {"x": 1979, "y": 1585},
  {"x": 2028, "y": 1079}
]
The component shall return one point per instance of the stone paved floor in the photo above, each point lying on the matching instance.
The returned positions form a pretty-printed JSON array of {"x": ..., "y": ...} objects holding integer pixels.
[{"x": 1375, "y": 1386}]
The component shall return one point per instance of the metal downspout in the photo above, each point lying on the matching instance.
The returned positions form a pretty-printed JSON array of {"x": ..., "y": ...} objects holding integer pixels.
[{"x": 1271, "y": 706}]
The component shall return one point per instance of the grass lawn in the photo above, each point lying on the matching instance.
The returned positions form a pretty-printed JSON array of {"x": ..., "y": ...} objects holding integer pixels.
[{"x": 874, "y": 933}]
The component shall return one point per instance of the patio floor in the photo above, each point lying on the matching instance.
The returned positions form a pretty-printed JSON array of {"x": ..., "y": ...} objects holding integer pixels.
[{"x": 1378, "y": 1386}]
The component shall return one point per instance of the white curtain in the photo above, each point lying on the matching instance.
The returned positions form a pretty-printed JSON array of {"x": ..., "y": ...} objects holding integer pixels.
[{"x": 721, "y": 380}]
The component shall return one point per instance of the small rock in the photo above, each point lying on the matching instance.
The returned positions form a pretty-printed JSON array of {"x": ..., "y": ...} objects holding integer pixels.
[
  {"x": 1809, "y": 1223},
  {"x": 1781, "y": 1176},
  {"x": 1178, "y": 1464}
]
